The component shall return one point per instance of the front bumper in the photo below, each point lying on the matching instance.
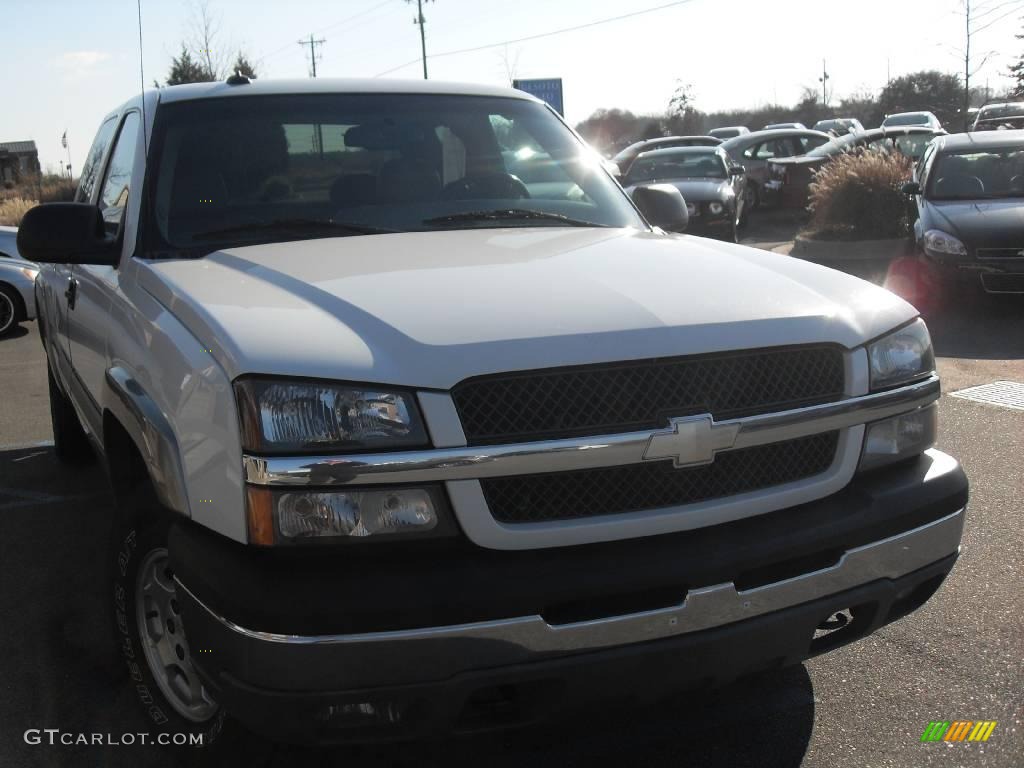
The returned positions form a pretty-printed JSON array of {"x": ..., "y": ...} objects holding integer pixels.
[
  {"x": 997, "y": 275},
  {"x": 706, "y": 224},
  {"x": 306, "y": 650}
]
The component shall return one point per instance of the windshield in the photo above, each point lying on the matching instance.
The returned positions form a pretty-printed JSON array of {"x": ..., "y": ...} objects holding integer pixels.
[
  {"x": 994, "y": 173},
  {"x": 678, "y": 165},
  {"x": 1015, "y": 109},
  {"x": 911, "y": 118},
  {"x": 265, "y": 168},
  {"x": 833, "y": 146}
]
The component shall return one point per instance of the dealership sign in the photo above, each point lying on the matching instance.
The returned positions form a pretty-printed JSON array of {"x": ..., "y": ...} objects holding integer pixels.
[{"x": 549, "y": 90}]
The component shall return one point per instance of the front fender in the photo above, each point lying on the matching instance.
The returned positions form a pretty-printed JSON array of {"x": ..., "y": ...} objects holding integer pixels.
[{"x": 151, "y": 432}]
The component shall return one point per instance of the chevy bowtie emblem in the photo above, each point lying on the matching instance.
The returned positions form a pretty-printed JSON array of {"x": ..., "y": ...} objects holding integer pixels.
[{"x": 691, "y": 440}]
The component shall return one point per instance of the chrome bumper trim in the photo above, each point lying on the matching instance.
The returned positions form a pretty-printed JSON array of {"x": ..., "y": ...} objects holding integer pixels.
[
  {"x": 702, "y": 609},
  {"x": 474, "y": 462}
]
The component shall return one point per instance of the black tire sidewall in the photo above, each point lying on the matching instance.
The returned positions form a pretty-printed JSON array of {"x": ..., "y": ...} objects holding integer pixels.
[
  {"x": 133, "y": 538},
  {"x": 8, "y": 296}
]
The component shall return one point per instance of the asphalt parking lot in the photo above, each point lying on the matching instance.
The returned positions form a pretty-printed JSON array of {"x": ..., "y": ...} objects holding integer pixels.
[{"x": 961, "y": 657}]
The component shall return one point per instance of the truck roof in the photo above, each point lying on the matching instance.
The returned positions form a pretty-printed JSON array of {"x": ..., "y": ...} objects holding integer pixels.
[{"x": 221, "y": 89}]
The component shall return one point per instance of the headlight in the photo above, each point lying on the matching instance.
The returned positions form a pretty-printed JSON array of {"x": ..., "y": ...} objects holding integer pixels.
[
  {"x": 898, "y": 438},
  {"x": 282, "y": 416},
  {"x": 293, "y": 516},
  {"x": 937, "y": 241},
  {"x": 902, "y": 356},
  {"x": 28, "y": 272},
  {"x": 716, "y": 208}
]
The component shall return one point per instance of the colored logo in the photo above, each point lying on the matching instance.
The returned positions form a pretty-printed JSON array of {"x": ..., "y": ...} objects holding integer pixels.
[{"x": 959, "y": 730}]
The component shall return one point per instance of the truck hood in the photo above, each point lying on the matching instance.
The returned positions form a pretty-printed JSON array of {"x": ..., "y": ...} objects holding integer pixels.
[{"x": 430, "y": 309}]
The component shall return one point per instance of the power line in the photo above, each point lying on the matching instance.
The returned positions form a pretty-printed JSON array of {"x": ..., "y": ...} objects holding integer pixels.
[
  {"x": 346, "y": 20},
  {"x": 540, "y": 35},
  {"x": 998, "y": 18}
]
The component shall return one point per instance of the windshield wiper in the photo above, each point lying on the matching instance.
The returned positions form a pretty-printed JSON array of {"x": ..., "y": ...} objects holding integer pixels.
[
  {"x": 508, "y": 214},
  {"x": 295, "y": 226}
]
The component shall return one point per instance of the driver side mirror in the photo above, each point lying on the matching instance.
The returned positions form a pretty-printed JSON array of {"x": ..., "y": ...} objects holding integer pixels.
[
  {"x": 66, "y": 233},
  {"x": 911, "y": 188},
  {"x": 663, "y": 206}
]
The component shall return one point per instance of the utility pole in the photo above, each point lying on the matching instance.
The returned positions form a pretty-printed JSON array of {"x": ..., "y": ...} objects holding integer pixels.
[
  {"x": 824, "y": 85},
  {"x": 967, "y": 61},
  {"x": 64, "y": 143},
  {"x": 318, "y": 136},
  {"x": 312, "y": 51},
  {"x": 421, "y": 21}
]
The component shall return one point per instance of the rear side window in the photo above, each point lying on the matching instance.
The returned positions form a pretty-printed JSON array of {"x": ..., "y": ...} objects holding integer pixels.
[
  {"x": 807, "y": 143},
  {"x": 114, "y": 196},
  {"x": 94, "y": 161}
]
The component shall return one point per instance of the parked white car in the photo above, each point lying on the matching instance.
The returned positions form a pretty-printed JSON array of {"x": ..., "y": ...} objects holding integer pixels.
[
  {"x": 17, "y": 283},
  {"x": 400, "y": 448}
]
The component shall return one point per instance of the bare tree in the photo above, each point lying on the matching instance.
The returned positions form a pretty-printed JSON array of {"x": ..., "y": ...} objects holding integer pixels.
[
  {"x": 509, "y": 64},
  {"x": 206, "y": 54},
  {"x": 979, "y": 15},
  {"x": 206, "y": 42}
]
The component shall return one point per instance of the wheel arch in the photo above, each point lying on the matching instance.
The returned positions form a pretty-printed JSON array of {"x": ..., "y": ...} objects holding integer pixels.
[{"x": 138, "y": 438}]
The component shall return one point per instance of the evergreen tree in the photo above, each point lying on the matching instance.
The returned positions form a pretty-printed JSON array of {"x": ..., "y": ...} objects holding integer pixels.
[
  {"x": 1017, "y": 73},
  {"x": 185, "y": 69},
  {"x": 243, "y": 66}
]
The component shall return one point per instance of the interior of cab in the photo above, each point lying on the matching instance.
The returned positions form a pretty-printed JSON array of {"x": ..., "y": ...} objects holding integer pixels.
[{"x": 386, "y": 162}]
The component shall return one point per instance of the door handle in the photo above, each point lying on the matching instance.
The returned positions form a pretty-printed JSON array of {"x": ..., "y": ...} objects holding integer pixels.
[{"x": 72, "y": 292}]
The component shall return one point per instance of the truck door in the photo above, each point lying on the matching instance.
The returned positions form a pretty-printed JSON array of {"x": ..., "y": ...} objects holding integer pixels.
[
  {"x": 93, "y": 286},
  {"x": 59, "y": 286}
]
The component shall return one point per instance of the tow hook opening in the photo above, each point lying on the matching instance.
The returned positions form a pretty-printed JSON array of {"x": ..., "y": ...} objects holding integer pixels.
[{"x": 841, "y": 627}]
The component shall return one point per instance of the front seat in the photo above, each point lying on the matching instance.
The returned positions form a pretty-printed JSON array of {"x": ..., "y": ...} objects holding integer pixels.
[
  {"x": 353, "y": 190},
  {"x": 407, "y": 181}
]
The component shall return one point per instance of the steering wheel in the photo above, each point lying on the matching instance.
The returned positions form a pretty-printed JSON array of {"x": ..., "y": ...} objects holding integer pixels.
[{"x": 486, "y": 185}]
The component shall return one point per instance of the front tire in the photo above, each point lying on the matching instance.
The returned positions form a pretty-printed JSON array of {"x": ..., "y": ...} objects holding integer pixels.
[
  {"x": 69, "y": 441},
  {"x": 753, "y": 197},
  {"x": 149, "y": 629}
]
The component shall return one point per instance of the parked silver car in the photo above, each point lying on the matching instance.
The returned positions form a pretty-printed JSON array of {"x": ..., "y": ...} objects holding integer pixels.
[
  {"x": 754, "y": 150},
  {"x": 625, "y": 158},
  {"x": 900, "y": 119},
  {"x": 839, "y": 125},
  {"x": 17, "y": 283},
  {"x": 729, "y": 132}
]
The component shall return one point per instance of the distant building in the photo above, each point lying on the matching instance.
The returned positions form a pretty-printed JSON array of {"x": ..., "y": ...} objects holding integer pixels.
[{"x": 18, "y": 159}]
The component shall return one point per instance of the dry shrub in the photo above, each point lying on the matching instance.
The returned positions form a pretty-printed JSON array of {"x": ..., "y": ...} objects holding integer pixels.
[
  {"x": 57, "y": 189},
  {"x": 856, "y": 196},
  {"x": 13, "y": 209}
]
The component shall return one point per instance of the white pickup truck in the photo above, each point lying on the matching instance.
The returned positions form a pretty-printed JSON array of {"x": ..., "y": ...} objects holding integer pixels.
[{"x": 417, "y": 423}]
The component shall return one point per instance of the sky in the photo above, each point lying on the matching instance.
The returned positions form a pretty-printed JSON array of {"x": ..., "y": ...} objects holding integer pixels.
[{"x": 65, "y": 63}]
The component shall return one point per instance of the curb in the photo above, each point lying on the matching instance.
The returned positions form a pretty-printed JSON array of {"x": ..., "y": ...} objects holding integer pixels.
[{"x": 812, "y": 249}]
